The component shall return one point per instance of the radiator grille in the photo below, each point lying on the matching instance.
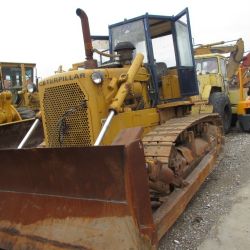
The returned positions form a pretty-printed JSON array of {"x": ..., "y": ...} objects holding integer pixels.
[{"x": 66, "y": 116}]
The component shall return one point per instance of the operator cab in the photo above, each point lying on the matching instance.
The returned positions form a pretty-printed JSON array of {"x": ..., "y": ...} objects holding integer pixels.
[
  {"x": 16, "y": 77},
  {"x": 165, "y": 42}
]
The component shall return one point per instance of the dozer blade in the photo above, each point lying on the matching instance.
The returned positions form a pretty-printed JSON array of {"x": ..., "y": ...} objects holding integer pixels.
[
  {"x": 11, "y": 134},
  {"x": 86, "y": 198},
  {"x": 75, "y": 198}
]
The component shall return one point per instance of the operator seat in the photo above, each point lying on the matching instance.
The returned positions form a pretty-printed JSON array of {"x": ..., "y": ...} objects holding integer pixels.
[{"x": 161, "y": 70}]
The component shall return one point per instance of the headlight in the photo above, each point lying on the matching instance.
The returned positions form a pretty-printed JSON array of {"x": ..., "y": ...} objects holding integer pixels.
[
  {"x": 31, "y": 87},
  {"x": 97, "y": 77}
]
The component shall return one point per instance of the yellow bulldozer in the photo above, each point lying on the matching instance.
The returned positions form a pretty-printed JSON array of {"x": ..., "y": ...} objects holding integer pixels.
[
  {"x": 122, "y": 156},
  {"x": 13, "y": 125},
  {"x": 19, "y": 103},
  {"x": 21, "y": 80}
]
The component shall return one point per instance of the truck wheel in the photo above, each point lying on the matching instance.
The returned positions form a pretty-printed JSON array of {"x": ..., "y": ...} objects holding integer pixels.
[
  {"x": 26, "y": 113},
  {"x": 221, "y": 104}
]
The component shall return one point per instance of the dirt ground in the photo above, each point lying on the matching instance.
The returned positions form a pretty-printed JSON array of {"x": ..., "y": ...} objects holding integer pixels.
[{"x": 223, "y": 197}]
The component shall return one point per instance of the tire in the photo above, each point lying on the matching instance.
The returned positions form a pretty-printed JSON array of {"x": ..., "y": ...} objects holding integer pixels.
[
  {"x": 221, "y": 104},
  {"x": 26, "y": 113}
]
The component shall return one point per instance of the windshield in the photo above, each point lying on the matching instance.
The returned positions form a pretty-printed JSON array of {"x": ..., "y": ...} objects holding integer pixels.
[
  {"x": 183, "y": 42},
  {"x": 29, "y": 75},
  {"x": 12, "y": 77},
  {"x": 130, "y": 32},
  {"x": 206, "y": 66}
]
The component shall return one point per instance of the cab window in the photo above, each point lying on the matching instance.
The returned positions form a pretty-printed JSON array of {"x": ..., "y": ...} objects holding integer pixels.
[{"x": 223, "y": 67}]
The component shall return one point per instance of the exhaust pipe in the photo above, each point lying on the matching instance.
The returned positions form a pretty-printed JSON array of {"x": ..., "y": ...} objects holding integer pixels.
[{"x": 90, "y": 63}]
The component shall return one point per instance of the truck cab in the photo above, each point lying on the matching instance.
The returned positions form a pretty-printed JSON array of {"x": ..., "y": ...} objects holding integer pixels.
[{"x": 212, "y": 74}]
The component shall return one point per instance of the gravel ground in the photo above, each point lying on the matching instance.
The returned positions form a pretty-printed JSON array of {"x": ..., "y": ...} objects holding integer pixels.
[{"x": 215, "y": 198}]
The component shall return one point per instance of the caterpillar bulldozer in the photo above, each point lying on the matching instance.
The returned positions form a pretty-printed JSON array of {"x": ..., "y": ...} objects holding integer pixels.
[
  {"x": 19, "y": 103},
  {"x": 20, "y": 79},
  {"x": 215, "y": 73},
  {"x": 122, "y": 155},
  {"x": 13, "y": 126}
]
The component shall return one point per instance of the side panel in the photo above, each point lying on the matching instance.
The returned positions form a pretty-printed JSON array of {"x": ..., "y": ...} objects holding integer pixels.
[
  {"x": 188, "y": 82},
  {"x": 146, "y": 118}
]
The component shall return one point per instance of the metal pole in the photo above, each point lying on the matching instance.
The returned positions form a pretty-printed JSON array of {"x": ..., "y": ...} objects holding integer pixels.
[
  {"x": 27, "y": 136},
  {"x": 104, "y": 128},
  {"x": 241, "y": 84}
]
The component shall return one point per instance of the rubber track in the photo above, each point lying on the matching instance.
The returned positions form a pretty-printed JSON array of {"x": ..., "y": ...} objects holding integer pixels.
[{"x": 159, "y": 142}]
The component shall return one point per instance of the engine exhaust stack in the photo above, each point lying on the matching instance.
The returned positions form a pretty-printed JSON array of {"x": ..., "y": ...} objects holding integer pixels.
[{"x": 90, "y": 63}]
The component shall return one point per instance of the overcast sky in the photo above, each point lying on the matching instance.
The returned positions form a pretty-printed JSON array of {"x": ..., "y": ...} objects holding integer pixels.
[{"x": 49, "y": 32}]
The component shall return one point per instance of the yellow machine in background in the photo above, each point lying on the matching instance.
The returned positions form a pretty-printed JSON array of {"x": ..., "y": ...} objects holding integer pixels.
[
  {"x": 19, "y": 103},
  {"x": 215, "y": 73},
  {"x": 20, "y": 79},
  {"x": 15, "y": 122},
  {"x": 242, "y": 82},
  {"x": 123, "y": 155}
]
